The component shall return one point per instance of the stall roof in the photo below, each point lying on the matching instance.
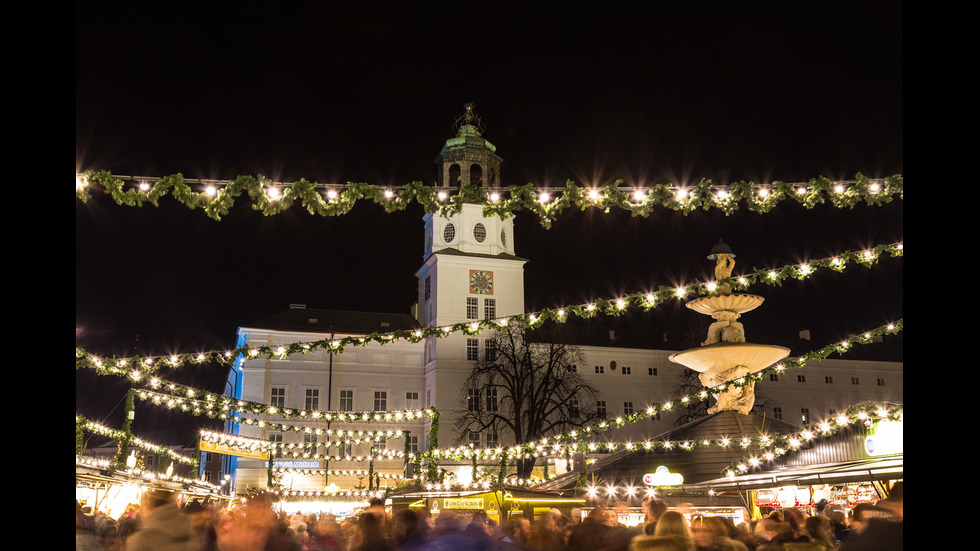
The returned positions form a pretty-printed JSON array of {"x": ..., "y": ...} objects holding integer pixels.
[{"x": 866, "y": 470}]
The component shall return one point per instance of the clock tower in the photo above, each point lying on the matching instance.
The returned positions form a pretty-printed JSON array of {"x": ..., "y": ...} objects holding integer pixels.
[{"x": 469, "y": 273}]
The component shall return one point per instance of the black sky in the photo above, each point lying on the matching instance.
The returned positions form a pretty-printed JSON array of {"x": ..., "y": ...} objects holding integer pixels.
[{"x": 368, "y": 92}]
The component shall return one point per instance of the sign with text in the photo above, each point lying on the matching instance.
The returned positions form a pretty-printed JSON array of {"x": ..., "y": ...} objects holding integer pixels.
[{"x": 663, "y": 477}]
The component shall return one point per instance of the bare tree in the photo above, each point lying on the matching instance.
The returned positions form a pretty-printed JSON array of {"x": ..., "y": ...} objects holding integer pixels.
[{"x": 527, "y": 388}]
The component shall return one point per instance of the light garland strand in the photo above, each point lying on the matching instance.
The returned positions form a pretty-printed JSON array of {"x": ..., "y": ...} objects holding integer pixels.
[
  {"x": 578, "y": 437},
  {"x": 147, "y": 476},
  {"x": 139, "y": 368},
  {"x": 116, "y": 434},
  {"x": 217, "y": 197}
]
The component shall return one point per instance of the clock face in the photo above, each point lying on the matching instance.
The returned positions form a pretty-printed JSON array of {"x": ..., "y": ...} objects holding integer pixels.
[{"x": 481, "y": 282}]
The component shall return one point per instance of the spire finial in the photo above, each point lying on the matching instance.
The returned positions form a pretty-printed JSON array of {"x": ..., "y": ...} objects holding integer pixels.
[{"x": 469, "y": 118}]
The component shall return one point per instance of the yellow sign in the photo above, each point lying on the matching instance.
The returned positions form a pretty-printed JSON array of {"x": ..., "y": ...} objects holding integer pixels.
[
  {"x": 229, "y": 450},
  {"x": 663, "y": 477},
  {"x": 463, "y": 503}
]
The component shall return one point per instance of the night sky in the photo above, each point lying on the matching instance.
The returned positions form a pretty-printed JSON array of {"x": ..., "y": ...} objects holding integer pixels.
[{"x": 369, "y": 92}]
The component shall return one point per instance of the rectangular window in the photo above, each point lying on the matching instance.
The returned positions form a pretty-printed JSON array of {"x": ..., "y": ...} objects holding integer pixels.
[
  {"x": 600, "y": 369},
  {"x": 777, "y": 413},
  {"x": 413, "y": 444},
  {"x": 655, "y": 416},
  {"x": 805, "y": 415},
  {"x": 309, "y": 438},
  {"x": 346, "y": 400},
  {"x": 345, "y": 449},
  {"x": 428, "y": 397},
  {"x": 428, "y": 287},
  {"x": 573, "y": 409},
  {"x": 600, "y": 409},
  {"x": 801, "y": 378},
  {"x": 881, "y": 382},
  {"x": 312, "y": 399},
  {"x": 380, "y": 400},
  {"x": 491, "y": 399},
  {"x": 472, "y": 310},
  {"x": 490, "y": 350},
  {"x": 472, "y": 350},
  {"x": 627, "y": 370},
  {"x": 474, "y": 438},
  {"x": 573, "y": 368},
  {"x": 473, "y": 399},
  {"x": 492, "y": 440},
  {"x": 489, "y": 308},
  {"x": 627, "y": 408},
  {"x": 855, "y": 381},
  {"x": 652, "y": 371},
  {"x": 411, "y": 400},
  {"x": 828, "y": 380},
  {"x": 277, "y": 397},
  {"x": 275, "y": 437},
  {"x": 774, "y": 377}
]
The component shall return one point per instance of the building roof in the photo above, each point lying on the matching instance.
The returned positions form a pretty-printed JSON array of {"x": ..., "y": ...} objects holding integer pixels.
[{"x": 300, "y": 318}]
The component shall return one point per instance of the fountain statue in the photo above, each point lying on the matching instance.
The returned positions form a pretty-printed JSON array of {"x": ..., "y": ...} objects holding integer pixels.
[{"x": 725, "y": 356}]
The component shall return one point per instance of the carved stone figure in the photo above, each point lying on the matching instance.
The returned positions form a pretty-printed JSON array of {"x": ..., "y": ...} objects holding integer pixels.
[{"x": 724, "y": 264}]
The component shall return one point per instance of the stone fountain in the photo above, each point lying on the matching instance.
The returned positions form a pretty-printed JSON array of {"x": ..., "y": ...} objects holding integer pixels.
[{"x": 725, "y": 356}]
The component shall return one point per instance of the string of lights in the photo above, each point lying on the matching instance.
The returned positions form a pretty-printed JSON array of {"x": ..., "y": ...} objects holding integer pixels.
[
  {"x": 138, "y": 368},
  {"x": 216, "y": 197}
]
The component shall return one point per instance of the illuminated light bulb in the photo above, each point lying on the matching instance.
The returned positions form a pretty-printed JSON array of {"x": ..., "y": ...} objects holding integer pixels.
[
  {"x": 875, "y": 187},
  {"x": 772, "y": 275},
  {"x": 805, "y": 268},
  {"x": 590, "y": 307},
  {"x": 839, "y": 188},
  {"x": 442, "y": 195},
  {"x": 639, "y": 195},
  {"x": 763, "y": 192},
  {"x": 681, "y": 193},
  {"x": 273, "y": 193},
  {"x": 620, "y": 304},
  {"x": 389, "y": 194},
  {"x": 651, "y": 298},
  {"x": 721, "y": 195},
  {"x": 494, "y": 197},
  {"x": 712, "y": 286},
  {"x": 543, "y": 197},
  {"x": 680, "y": 292},
  {"x": 331, "y": 194},
  {"x": 868, "y": 255},
  {"x": 593, "y": 195},
  {"x": 144, "y": 186},
  {"x": 800, "y": 190},
  {"x": 210, "y": 191},
  {"x": 561, "y": 312}
]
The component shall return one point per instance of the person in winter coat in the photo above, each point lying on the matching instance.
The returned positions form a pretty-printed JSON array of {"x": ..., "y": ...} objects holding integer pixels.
[{"x": 164, "y": 526}]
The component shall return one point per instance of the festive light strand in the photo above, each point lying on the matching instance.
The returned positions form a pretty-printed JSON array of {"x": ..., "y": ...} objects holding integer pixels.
[
  {"x": 116, "y": 434},
  {"x": 139, "y": 368},
  {"x": 578, "y": 437},
  {"x": 217, "y": 197}
]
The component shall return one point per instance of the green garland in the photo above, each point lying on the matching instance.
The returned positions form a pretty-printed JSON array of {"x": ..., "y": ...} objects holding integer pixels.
[
  {"x": 309, "y": 195},
  {"x": 433, "y": 463},
  {"x": 144, "y": 367},
  {"x": 127, "y": 431}
]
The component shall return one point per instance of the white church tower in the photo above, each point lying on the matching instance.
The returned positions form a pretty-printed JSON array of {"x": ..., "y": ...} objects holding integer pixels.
[{"x": 469, "y": 272}]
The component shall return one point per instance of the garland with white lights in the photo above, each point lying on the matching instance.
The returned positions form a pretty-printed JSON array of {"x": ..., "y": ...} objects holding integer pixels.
[
  {"x": 217, "y": 197},
  {"x": 148, "y": 476},
  {"x": 138, "y": 368},
  {"x": 559, "y": 443},
  {"x": 83, "y": 424},
  {"x": 864, "y": 414}
]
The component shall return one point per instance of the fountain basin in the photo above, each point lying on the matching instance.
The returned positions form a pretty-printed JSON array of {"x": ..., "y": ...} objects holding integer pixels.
[
  {"x": 738, "y": 303},
  {"x": 722, "y": 356}
]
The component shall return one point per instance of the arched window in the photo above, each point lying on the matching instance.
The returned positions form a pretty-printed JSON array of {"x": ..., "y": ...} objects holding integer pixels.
[{"x": 476, "y": 175}]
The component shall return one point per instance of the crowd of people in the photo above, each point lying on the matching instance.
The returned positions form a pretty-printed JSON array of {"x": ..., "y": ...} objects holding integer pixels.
[{"x": 158, "y": 524}]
